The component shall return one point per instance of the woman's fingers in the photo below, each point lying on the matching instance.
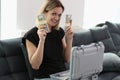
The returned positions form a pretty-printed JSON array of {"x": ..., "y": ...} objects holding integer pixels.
[
  {"x": 70, "y": 22},
  {"x": 68, "y": 28},
  {"x": 42, "y": 28},
  {"x": 69, "y": 25},
  {"x": 42, "y": 31}
]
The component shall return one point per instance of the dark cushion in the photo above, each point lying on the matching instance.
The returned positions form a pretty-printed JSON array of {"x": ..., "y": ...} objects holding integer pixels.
[
  {"x": 102, "y": 34},
  {"x": 12, "y": 62},
  {"x": 111, "y": 62},
  {"x": 82, "y": 37},
  {"x": 116, "y": 78},
  {"x": 114, "y": 29},
  {"x": 109, "y": 45},
  {"x": 108, "y": 75}
]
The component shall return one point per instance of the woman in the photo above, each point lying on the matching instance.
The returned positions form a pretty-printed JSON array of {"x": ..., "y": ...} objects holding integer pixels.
[{"x": 48, "y": 51}]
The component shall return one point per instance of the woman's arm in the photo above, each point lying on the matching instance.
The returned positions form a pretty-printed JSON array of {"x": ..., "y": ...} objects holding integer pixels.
[
  {"x": 67, "y": 49},
  {"x": 67, "y": 43},
  {"x": 35, "y": 54}
]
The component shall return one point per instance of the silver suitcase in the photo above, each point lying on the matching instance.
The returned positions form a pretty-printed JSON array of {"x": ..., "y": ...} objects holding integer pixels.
[{"x": 86, "y": 63}]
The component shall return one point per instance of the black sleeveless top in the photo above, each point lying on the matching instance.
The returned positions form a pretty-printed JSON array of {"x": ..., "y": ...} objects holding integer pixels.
[{"x": 53, "y": 58}]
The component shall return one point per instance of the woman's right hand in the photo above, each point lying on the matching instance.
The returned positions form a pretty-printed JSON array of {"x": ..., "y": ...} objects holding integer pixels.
[{"x": 42, "y": 33}]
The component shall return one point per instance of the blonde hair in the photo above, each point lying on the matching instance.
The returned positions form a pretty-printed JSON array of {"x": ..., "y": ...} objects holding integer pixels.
[{"x": 49, "y": 5}]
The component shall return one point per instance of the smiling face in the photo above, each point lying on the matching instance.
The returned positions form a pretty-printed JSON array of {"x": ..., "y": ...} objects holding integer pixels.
[{"x": 53, "y": 16}]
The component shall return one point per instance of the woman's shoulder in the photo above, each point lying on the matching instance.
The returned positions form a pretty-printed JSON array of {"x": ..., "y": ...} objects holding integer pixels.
[
  {"x": 31, "y": 33},
  {"x": 32, "y": 30},
  {"x": 61, "y": 29},
  {"x": 32, "y": 36},
  {"x": 61, "y": 32}
]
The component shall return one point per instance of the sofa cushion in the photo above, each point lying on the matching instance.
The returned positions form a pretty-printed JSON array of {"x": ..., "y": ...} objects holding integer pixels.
[
  {"x": 102, "y": 34},
  {"x": 82, "y": 37},
  {"x": 109, "y": 45},
  {"x": 114, "y": 29},
  {"x": 116, "y": 78},
  {"x": 111, "y": 62},
  {"x": 108, "y": 75},
  {"x": 12, "y": 62}
]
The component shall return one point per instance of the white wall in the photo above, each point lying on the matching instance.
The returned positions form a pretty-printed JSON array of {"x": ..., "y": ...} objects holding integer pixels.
[
  {"x": 76, "y": 8},
  {"x": 27, "y": 12},
  {"x": 8, "y": 19}
]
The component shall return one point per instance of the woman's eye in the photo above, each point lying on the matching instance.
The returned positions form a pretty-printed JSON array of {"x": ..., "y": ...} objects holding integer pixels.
[
  {"x": 59, "y": 15},
  {"x": 53, "y": 14}
]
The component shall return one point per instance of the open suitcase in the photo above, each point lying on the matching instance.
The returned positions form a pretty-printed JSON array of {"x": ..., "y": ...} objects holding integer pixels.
[{"x": 86, "y": 63}]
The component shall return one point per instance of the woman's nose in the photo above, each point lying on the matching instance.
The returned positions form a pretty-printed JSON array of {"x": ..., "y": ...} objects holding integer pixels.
[{"x": 57, "y": 17}]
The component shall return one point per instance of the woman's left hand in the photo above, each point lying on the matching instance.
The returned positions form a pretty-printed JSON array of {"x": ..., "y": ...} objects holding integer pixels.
[{"x": 69, "y": 32}]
